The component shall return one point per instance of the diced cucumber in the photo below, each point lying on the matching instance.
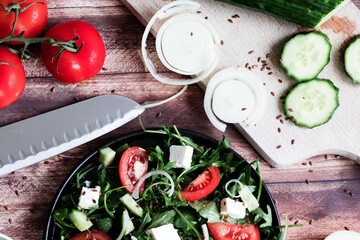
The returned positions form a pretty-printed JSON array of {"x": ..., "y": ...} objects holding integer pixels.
[
  {"x": 127, "y": 225},
  {"x": 352, "y": 59},
  {"x": 131, "y": 204},
  {"x": 106, "y": 156},
  {"x": 312, "y": 103},
  {"x": 305, "y": 55},
  {"x": 80, "y": 220},
  {"x": 248, "y": 198}
]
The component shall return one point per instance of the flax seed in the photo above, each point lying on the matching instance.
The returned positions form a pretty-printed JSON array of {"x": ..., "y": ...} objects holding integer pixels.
[
  {"x": 246, "y": 65},
  {"x": 326, "y": 157},
  {"x": 222, "y": 42},
  {"x": 304, "y": 164},
  {"x": 282, "y": 121},
  {"x": 235, "y": 16},
  {"x": 292, "y": 141},
  {"x": 291, "y": 110},
  {"x": 52, "y": 89},
  {"x": 346, "y": 190},
  {"x": 272, "y": 93},
  {"x": 280, "y": 81},
  {"x": 346, "y": 228},
  {"x": 311, "y": 221},
  {"x": 310, "y": 171},
  {"x": 278, "y": 117},
  {"x": 351, "y": 194},
  {"x": 10, "y": 221},
  {"x": 198, "y": 11},
  {"x": 230, "y": 21},
  {"x": 259, "y": 58},
  {"x": 268, "y": 55},
  {"x": 158, "y": 114},
  {"x": 191, "y": 34},
  {"x": 243, "y": 109},
  {"x": 6, "y": 208},
  {"x": 281, "y": 61},
  {"x": 76, "y": 99},
  {"x": 296, "y": 222},
  {"x": 206, "y": 18},
  {"x": 279, "y": 130},
  {"x": 270, "y": 73},
  {"x": 251, "y": 52},
  {"x": 46, "y": 162},
  {"x": 268, "y": 68},
  {"x": 307, "y": 182},
  {"x": 17, "y": 192},
  {"x": 278, "y": 146}
]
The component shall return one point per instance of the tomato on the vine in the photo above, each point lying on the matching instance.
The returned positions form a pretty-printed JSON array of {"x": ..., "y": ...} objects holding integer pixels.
[
  {"x": 133, "y": 166},
  {"x": 202, "y": 186},
  {"x": 234, "y": 231},
  {"x": 12, "y": 77},
  {"x": 91, "y": 235},
  {"x": 32, "y": 20},
  {"x": 74, "y": 67}
]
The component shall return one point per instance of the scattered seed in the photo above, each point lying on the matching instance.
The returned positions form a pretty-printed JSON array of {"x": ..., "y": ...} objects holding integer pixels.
[
  {"x": 307, "y": 182},
  {"x": 83, "y": 193},
  {"x": 230, "y": 21},
  {"x": 264, "y": 61},
  {"x": 52, "y": 89},
  {"x": 76, "y": 99},
  {"x": 24, "y": 177},
  {"x": 280, "y": 81},
  {"x": 272, "y": 93},
  {"x": 292, "y": 118},
  {"x": 282, "y": 121},
  {"x": 10, "y": 183},
  {"x": 304, "y": 163},
  {"x": 346, "y": 228},
  {"x": 10, "y": 221},
  {"x": 275, "y": 201},
  {"x": 264, "y": 84},
  {"x": 292, "y": 141},
  {"x": 206, "y": 18},
  {"x": 249, "y": 68},
  {"x": 270, "y": 73},
  {"x": 254, "y": 66},
  {"x": 12, "y": 173},
  {"x": 311, "y": 221},
  {"x": 246, "y": 65},
  {"x": 351, "y": 194},
  {"x": 296, "y": 222},
  {"x": 262, "y": 69},
  {"x": 310, "y": 171},
  {"x": 235, "y": 16},
  {"x": 310, "y": 163},
  {"x": 291, "y": 110},
  {"x": 158, "y": 114},
  {"x": 251, "y": 52},
  {"x": 268, "y": 68},
  {"x": 87, "y": 219},
  {"x": 346, "y": 190},
  {"x": 279, "y": 130},
  {"x": 17, "y": 192},
  {"x": 268, "y": 55},
  {"x": 191, "y": 34},
  {"x": 46, "y": 162},
  {"x": 278, "y": 117},
  {"x": 198, "y": 11},
  {"x": 291, "y": 218},
  {"x": 259, "y": 58},
  {"x": 6, "y": 208},
  {"x": 105, "y": 69},
  {"x": 278, "y": 146},
  {"x": 94, "y": 201},
  {"x": 222, "y": 42},
  {"x": 243, "y": 109},
  {"x": 281, "y": 61},
  {"x": 326, "y": 157},
  {"x": 112, "y": 91}
]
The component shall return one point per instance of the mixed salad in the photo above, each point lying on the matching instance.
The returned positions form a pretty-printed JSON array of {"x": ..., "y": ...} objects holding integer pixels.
[{"x": 179, "y": 190}]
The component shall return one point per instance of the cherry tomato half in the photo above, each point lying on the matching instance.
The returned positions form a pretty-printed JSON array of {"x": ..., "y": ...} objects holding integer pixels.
[
  {"x": 234, "y": 231},
  {"x": 12, "y": 77},
  {"x": 133, "y": 166},
  {"x": 202, "y": 186},
  {"x": 32, "y": 20},
  {"x": 91, "y": 235},
  {"x": 74, "y": 67}
]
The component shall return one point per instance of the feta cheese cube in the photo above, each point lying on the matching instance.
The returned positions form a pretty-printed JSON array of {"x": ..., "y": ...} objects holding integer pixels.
[
  {"x": 233, "y": 208},
  {"x": 89, "y": 197},
  {"x": 164, "y": 232},
  {"x": 182, "y": 155}
]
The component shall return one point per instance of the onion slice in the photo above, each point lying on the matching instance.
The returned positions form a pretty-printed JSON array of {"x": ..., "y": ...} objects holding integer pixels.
[
  {"x": 135, "y": 193},
  {"x": 227, "y": 185},
  {"x": 205, "y": 231},
  {"x": 158, "y": 103},
  {"x": 234, "y": 88},
  {"x": 186, "y": 44}
]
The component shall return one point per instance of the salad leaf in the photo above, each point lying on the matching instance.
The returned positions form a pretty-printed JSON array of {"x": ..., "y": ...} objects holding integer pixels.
[
  {"x": 207, "y": 209},
  {"x": 104, "y": 224},
  {"x": 163, "y": 218}
]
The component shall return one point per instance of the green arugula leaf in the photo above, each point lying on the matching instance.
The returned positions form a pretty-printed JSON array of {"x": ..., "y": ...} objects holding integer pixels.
[{"x": 104, "y": 224}]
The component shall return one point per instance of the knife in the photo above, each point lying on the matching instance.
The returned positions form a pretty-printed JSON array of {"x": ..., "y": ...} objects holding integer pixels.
[{"x": 34, "y": 139}]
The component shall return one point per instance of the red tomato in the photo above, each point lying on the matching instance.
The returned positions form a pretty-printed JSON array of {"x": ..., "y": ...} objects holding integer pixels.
[
  {"x": 91, "y": 235},
  {"x": 74, "y": 67},
  {"x": 229, "y": 231},
  {"x": 133, "y": 165},
  {"x": 202, "y": 186},
  {"x": 12, "y": 78},
  {"x": 32, "y": 20}
]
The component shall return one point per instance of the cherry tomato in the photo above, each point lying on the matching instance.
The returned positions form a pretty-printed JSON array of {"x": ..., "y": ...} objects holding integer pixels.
[
  {"x": 12, "y": 77},
  {"x": 202, "y": 186},
  {"x": 133, "y": 165},
  {"x": 32, "y": 20},
  {"x": 74, "y": 67},
  {"x": 234, "y": 231},
  {"x": 91, "y": 235}
]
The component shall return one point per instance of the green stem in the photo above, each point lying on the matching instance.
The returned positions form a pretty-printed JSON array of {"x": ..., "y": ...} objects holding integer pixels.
[
  {"x": 192, "y": 227},
  {"x": 15, "y": 21}
]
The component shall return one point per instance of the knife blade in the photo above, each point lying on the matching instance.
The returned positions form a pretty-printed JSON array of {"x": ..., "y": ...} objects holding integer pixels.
[{"x": 34, "y": 139}]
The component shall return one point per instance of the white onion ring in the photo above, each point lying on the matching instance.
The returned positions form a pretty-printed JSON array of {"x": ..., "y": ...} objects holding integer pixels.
[
  {"x": 158, "y": 103},
  {"x": 135, "y": 193},
  {"x": 208, "y": 56},
  {"x": 227, "y": 184},
  {"x": 245, "y": 76},
  {"x": 205, "y": 231}
]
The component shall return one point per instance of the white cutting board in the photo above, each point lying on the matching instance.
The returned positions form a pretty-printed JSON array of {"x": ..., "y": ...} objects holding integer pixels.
[{"x": 265, "y": 35}]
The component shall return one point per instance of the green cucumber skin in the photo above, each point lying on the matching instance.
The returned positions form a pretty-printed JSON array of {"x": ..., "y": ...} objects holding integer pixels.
[
  {"x": 307, "y": 13},
  {"x": 353, "y": 40},
  {"x": 298, "y": 123},
  {"x": 328, "y": 60}
]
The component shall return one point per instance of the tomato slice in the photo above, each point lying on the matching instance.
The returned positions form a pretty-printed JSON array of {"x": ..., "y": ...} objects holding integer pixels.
[
  {"x": 91, "y": 235},
  {"x": 133, "y": 166},
  {"x": 228, "y": 231},
  {"x": 202, "y": 186}
]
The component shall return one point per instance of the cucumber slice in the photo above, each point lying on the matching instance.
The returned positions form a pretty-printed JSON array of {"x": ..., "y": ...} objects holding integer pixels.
[
  {"x": 305, "y": 55},
  {"x": 127, "y": 225},
  {"x": 80, "y": 220},
  {"x": 352, "y": 59},
  {"x": 248, "y": 198},
  {"x": 106, "y": 156},
  {"x": 343, "y": 235},
  {"x": 132, "y": 205},
  {"x": 312, "y": 103}
]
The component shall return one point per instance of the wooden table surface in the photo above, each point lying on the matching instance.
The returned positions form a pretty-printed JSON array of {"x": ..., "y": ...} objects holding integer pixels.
[{"x": 322, "y": 193}]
